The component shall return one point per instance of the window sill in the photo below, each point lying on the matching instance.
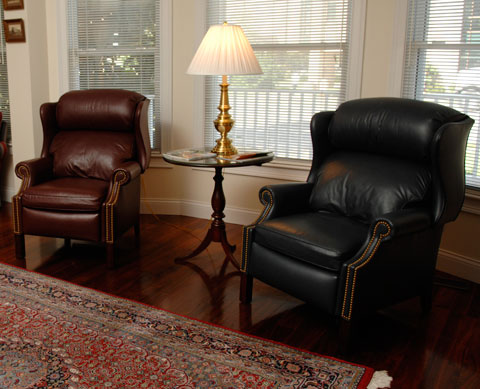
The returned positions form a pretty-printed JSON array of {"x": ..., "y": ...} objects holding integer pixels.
[
  {"x": 158, "y": 162},
  {"x": 472, "y": 202},
  {"x": 280, "y": 169},
  {"x": 297, "y": 171}
]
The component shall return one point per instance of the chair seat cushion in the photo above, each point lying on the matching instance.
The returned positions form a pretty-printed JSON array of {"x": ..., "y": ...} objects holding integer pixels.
[
  {"x": 67, "y": 194},
  {"x": 322, "y": 239}
]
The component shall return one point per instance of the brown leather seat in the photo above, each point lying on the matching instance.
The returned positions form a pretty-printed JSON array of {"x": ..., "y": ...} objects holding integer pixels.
[{"x": 86, "y": 183}]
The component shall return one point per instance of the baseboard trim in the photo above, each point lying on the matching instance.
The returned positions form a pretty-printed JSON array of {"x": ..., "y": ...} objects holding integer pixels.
[
  {"x": 198, "y": 209},
  {"x": 459, "y": 265},
  {"x": 447, "y": 261},
  {"x": 7, "y": 193}
]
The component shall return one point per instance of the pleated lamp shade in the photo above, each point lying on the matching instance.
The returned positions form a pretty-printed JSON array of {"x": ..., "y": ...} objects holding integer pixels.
[{"x": 224, "y": 50}]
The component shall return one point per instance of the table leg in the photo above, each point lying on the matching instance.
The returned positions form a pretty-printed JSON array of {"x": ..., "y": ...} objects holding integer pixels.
[{"x": 216, "y": 232}]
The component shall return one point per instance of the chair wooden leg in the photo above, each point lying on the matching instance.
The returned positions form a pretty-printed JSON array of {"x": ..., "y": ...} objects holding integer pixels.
[
  {"x": 426, "y": 301},
  {"x": 246, "y": 286},
  {"x": 245, "y": 316},
  {"x": 136, "y": 228},
  {"x": 67, "y": 242},
  {"x": 110, "y": 255},
  {"x": 20, "y": 246},
  {"x": 345, "y": 336}
]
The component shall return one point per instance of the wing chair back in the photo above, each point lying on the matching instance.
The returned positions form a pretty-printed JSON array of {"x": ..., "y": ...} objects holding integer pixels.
[
  {"x": 382, "y": 155},
  {"x": 91, "y": 132}
]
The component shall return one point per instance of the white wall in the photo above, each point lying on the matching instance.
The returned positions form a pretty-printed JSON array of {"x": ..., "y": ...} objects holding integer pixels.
[
  {"x": 37, "y": 74},
  {"x": 28, "y": 81}
]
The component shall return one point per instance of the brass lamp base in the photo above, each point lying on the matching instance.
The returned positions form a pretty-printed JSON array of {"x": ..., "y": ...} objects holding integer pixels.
[
  {"x": 224, "y": 147},
  {"x": 224, "y": 123}
]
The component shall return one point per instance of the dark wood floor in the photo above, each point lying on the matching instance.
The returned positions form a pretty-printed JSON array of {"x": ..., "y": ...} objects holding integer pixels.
[{"x": 440, "y": 350}]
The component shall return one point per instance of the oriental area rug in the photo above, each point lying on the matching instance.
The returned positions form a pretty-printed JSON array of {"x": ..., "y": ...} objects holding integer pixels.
[{"x": 57, "y": 334}]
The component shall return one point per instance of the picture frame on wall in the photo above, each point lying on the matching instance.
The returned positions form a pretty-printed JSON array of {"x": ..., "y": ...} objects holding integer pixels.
[
  {"x": 12, "y": 4},
  {"x": 14, "y": 30}
]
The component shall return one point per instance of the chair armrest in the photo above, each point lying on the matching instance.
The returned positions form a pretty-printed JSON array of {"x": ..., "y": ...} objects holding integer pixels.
[
  {"x": 126, "y": 172},
  {"x": 122, "y": 175},
  {"x": 393, "y": 224},
  {"x": 385, "y": 228},
  {"x": 120, "y": 196},
  {"x": 34, "y": 171},
  {"x": 407, "y": 221},
  {"x": 284, "y": 199}
]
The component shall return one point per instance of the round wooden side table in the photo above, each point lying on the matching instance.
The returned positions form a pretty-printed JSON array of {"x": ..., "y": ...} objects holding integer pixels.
[{"x": 216, "y": 232}]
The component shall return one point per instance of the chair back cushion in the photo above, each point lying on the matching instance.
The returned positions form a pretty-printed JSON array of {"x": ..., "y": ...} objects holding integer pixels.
[
  {"x": 95, "y": 132},
  {"x": 380, "y": 157},
  {"x": 366, "y": 186},
  {"x": 397, "y": 127},
  {"x": 98, "y": 109},
  {"x": 90, "y": 154}
]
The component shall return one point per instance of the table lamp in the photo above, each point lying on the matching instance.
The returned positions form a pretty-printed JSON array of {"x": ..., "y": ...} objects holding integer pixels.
[{"x": 224, "y": 51}]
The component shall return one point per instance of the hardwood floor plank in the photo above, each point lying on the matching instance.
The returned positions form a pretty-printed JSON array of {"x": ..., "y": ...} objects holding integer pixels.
[{"x": 435, "y": 351}]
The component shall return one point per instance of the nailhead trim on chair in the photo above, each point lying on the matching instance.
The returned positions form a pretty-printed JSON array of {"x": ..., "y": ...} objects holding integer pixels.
[
  {"x": 348, "y": 315},
  {"x": 247, "y": 230},
  {"x": 120, "y": 178},
  {"x": 24, "y": 173}
]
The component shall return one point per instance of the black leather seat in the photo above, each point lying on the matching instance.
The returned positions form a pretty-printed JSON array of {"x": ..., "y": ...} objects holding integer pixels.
[{"x": 363, "y": 232}]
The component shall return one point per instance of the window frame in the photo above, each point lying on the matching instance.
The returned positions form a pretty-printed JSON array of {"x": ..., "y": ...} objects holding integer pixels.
[
  {"x": 6, "y": 115},
  {"x": 396, "y": 86},
  {"x": 164, "y": 70},
  {"x": 281, "y": 168},
  {"x": 472, "y": 196}
]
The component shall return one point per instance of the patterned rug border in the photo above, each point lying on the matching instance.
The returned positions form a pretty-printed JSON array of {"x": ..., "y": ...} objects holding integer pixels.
[{"x": 363, "y": 383}]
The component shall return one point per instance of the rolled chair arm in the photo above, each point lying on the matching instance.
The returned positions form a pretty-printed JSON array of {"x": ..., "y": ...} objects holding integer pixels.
[
  {"x": 388, "y": 226},
  {"x": 34, "y": 171},
  {"x": 31, "y": 172},
  {"x": 126, "y": 172},
  {"x": 379, "y": 231},
  {"x": 122, "y": 176},
  {"x": 279, "y": 200},
  {"x": 284, "y": 199},
  {"x": 407, "y": 221}
]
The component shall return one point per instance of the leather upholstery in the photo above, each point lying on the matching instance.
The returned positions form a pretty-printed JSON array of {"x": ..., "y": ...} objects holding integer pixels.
[
  {"x": 363, "y": 231},
  {"x": 277, "y": 270},
  {"x": 302, "y": 236},
  {"x": 86, "y": 183},
  {"x": 97, "y": 109},
  {"x": 131, "y": 107},
  {"x": 362, "y": 185},
  {"x": 67, "y": 194},
  {"x": 372, "y": 126},
  {"x": 83, "y": 153},
  {"x": 81, "y": 225}
]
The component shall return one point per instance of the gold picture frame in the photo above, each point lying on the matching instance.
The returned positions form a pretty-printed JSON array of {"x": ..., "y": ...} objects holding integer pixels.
[
  {"x": 14, "y": 30},
  {"x": 12, "y": 4}
]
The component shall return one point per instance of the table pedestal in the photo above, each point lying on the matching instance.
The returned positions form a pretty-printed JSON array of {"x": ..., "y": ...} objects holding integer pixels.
[{"x": 216, "y": 232}]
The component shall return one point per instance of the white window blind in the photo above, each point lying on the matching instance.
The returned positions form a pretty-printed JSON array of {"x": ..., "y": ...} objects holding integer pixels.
[
  {"x": 442, "y": 63},
  {"x": 302, "y": 47},
  {"x": 115, "y": 44},
  {"x": 4, "y": 99}
]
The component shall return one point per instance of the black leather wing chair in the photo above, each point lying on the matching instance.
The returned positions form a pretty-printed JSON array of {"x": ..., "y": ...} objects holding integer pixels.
[
  {"x": 86, "y": 183},
  {"x": 363, "y": 232}
]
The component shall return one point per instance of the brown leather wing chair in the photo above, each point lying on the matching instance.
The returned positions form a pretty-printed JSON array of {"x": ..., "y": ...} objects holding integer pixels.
[{"x": 86, "y": 183}]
